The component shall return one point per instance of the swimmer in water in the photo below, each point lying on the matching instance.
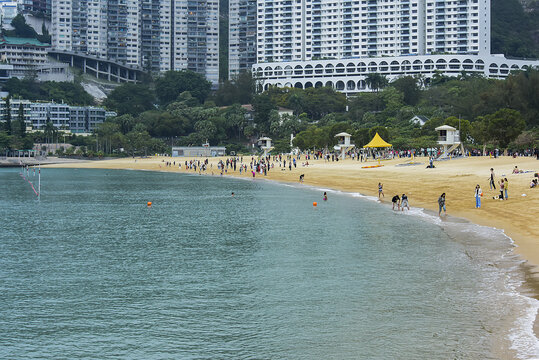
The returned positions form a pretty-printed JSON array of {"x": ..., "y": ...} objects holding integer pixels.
[{"x": 325, "y": 196}]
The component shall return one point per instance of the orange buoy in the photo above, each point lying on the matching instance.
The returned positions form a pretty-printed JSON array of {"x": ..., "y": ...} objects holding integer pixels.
[
  {"x": 315, "y": 204},
  {"x": 149, "y": 204}
]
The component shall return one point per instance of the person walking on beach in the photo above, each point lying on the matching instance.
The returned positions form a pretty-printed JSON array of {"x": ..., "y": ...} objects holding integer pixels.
[
  {"x": 492, "y": 183},
  {"x": 506, "y": 183},
  {"x": 380, "y": 190},
  {"x": 404, "y": 202},
  {"x": 395, "y": 200},
  {"x": 478, "y": 193},
  {"x": 441, "y": 205}
]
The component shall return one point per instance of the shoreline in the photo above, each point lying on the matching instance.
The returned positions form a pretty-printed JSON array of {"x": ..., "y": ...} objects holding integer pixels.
[
  {"x": 321, "y": 175},
  {"x": 515, "y": 216}
]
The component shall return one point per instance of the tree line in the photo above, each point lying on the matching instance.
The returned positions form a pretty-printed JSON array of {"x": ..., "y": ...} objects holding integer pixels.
[{"x": 179, "y": 108}]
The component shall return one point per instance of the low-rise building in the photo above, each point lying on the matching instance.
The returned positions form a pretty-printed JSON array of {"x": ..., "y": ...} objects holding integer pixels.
[
  {"x": 198, "y": 151},
  {"x": 24, "y": 54},
  {"x": 76, "y": 119}
]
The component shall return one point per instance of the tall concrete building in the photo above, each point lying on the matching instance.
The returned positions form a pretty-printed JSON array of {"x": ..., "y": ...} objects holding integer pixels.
[
  {"x": 242, "y": 16},
  {"x": 302, "y": 30},
  {"x": 338, "y": 43},
  {"x": 158, "y": 35}
]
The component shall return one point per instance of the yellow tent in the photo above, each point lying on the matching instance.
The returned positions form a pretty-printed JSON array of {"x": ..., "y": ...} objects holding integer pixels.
[{"x": 377, "y": 142}]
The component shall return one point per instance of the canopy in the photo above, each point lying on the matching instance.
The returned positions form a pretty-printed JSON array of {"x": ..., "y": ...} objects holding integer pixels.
[{"x": 377, "y": 142}]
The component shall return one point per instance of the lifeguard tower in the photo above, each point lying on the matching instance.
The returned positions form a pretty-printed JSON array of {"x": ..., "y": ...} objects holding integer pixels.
[
  {"x": 265, "y": 144},
  {"x": 344, "y": 144},
  {"x": 449, "y": 138}
]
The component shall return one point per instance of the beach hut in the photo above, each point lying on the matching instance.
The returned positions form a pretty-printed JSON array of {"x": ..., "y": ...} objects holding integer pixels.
[
  {"x": 377, "y": 142},
  {"x": 265, "y": 144},
  {"x": 343, "y": 145},
  {"x": 449, "y": 138}
]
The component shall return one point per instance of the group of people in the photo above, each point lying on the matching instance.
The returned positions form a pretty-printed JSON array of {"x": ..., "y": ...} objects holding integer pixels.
[
  {"x": 400, "y": 202},
  {"x": 503, "y": 184}
]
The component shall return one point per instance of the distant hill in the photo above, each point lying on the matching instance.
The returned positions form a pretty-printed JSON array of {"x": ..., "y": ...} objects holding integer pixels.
[{"x": 515, "y": 28}]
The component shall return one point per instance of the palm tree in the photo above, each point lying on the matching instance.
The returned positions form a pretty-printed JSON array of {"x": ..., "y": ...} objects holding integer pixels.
[
  {"x": 376, "y": 81},
  {"x": 49, "y": 131}
]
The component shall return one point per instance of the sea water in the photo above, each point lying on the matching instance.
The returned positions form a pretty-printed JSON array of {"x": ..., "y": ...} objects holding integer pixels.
[{"x": 90, "y": 271}]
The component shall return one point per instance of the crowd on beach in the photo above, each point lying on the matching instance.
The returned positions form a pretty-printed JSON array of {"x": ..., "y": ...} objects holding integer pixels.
[{"x": 260, "y": 165}]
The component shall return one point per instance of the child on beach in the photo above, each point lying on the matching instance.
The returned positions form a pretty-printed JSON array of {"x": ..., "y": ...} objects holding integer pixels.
[
  {"x": 380, "y": 190},
  {"x": 325, "y": 196},
  {"x": 502, "y": 186},
  {"x": 441, "y": 204},
  {"x": 478, "y": 194},
  {"x": 395, "y": 200},
  {"x": 404, "y": 202}
]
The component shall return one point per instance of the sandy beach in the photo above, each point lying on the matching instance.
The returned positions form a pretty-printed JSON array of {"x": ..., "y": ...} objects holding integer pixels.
[{"x": 517, "y": 216}]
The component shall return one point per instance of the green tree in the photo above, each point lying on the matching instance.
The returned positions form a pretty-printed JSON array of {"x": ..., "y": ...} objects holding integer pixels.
[
  {"x": 130, "y": 99},
  {"x": 409, "y": 87},
  {"x": 21, "y": 28},
  {"x": 172, "y": 83},
  {"x": 106, "y": 132},
  {"x": 376, "y": 81},
  {"x": 126, "y": 122},
  {"x": 504, "y": 126},
  {"x": 262, "y": 105},
  {"x": 20, "y": 127},
  {"x": 5, "y": 141},
  {"x": 8, "y": 116}
]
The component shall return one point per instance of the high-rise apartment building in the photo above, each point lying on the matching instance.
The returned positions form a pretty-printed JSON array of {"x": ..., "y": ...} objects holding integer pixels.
[
  {"x": 158, "y": 35},
  {"x": 338, "y": 43},
  {"x": 302, "y": 30},
  {"x": 241, "y": 36}
]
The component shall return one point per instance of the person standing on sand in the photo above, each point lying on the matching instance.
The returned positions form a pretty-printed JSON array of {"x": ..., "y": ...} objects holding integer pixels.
[
  {"x": 502, "y": 186},
  {"x": 492, "y": 183},
  {"x": 380, "y": 190},
  {"x": 441, "y": 205},
  {"x": 505, "y": 188},
  {"x": 395, "y": 200},
  {"x": 478, "y": 193},
  {"x": 404, "y": 202}
]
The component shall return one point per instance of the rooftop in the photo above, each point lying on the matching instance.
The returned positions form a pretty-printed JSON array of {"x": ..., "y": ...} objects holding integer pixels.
[{"x": 11, "y": 40}]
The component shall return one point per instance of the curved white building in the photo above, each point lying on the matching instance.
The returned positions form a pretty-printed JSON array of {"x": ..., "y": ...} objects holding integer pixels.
[{"x": 349, "y": 75}]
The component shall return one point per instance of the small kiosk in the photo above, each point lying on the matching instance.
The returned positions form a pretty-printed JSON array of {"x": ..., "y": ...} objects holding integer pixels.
[
  {"x": 265, "y": 144},
  {"x": 449, "y": 138},
  {"x": 343, "y": 144}
]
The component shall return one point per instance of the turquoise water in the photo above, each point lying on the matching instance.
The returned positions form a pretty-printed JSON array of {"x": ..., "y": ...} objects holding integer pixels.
[{"x": 91, "y": 272}]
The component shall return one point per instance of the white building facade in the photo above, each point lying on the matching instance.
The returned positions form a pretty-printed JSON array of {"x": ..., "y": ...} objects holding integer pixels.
[
  {"x": 349, "y": 75},
  {"x": 339, "y": 42}
]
